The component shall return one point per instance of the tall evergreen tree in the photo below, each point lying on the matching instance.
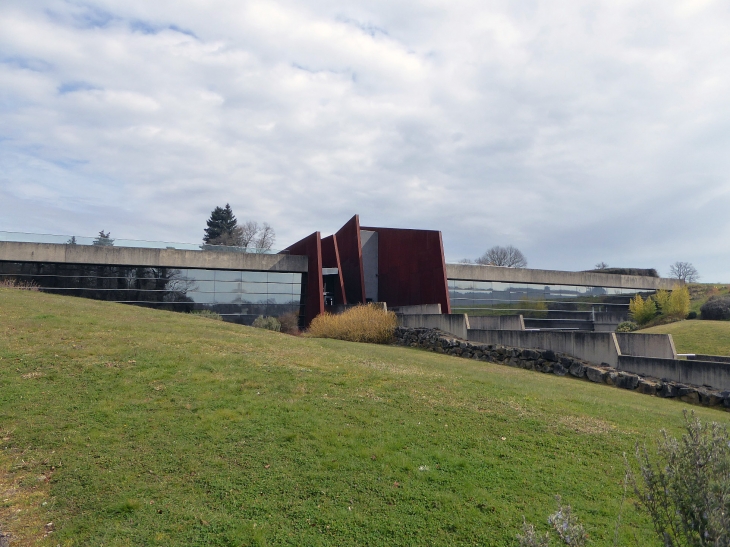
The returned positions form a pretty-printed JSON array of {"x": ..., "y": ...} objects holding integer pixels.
[{"x": 221, "y": 224}]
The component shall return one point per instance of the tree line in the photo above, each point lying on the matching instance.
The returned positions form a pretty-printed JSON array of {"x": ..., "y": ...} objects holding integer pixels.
[{"x": 223, "y": 229}]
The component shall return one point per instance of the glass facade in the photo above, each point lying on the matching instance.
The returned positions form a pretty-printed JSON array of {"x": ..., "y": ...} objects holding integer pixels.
[
  {"x": 540, "y": 304},
  {"x": 239, "y": 296}
]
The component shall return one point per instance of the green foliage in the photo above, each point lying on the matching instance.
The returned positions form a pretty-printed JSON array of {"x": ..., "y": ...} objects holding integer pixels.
[
  {"x": 102, "y": 240},
  {"x": 642, "y": 311},
  {"x": 268, "y": 323},
  {"x": 661, "y": 297},
  {"x": 209, "y": 314},
  {"x": 692, "y": 315},
  {"x": 565, "y": 525},
  {"x": 221, "y": 224},
  {"x": 686, "y": 491},
  {"x": 716, "y": 308},
  {"x": 677, "y": 307},
  {"x": 627, "y": 326}
]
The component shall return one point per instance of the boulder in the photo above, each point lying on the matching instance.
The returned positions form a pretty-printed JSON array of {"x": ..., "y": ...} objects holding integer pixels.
[
  {"x": 577, "y": 369},
  {"x": 626, "y": 380},
  {"x": 595, "y": 374},
  {"x": 647, "y": 387},
  {"x": 559, "y": 369},
  {"x": 549, "y": 355},
  {"x": 668, "y": 390}
]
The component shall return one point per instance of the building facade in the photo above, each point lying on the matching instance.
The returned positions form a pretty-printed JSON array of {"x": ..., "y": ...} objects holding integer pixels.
[{"x": 357, "y": 264}]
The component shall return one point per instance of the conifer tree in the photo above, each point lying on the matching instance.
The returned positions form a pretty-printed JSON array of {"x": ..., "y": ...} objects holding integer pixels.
[{"x": 221, "y": 225}]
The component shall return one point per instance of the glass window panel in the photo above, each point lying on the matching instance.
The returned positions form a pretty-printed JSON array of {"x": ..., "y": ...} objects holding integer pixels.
[
  {"x": 459, "y": 284},
  {"x": 227, "y": 297},
  {"x": 227, "y": 286},
  {"x": 255, "y": 288},
  {"x": 280, "y": 298},
  {"x": 202, "y": 275},
  {"x": 201, "y": 297},
  {"x": 227, "y": 275},
  {"x": 280, "y": 277},
  {"x": 248, "y": 298},
  {"x": 280, "y": 288},
  {"x": 255, "y": 277},
  {"x": 483, "y": 286},
  {"x": 296, "y": 278},
  {"x": 205, "y": 286}
]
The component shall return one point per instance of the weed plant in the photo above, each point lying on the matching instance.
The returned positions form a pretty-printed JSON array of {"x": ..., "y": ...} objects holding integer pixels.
[
  {"x": 208, "y": 314},
  {"x": 368, "y": 323},
  {"x": 12, "y": 283},
  {"x": 267, "y": 323}
]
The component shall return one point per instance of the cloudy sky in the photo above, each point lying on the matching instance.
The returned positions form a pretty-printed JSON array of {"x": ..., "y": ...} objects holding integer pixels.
[{"x": 578, "y": 131}]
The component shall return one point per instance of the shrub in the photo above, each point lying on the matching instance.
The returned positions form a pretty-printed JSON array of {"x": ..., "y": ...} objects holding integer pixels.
[
  {"x": 289, "y": 323},
  {"x": 677, "y": 305},
  {"x": 642, "y": 311},
  {"x": 368, "y": 323},
  {"x": 11, "y": 283},
  {"x": 717, "y": 307},
  {"x": 687, "y": 492},
  {"x": 627, "y": 326},
  {"x": 565, "y": 525},
  {"x": 268, "y": 323},
  {"x": 209, "y": 314},
  {"x": 692, "y": 315}
]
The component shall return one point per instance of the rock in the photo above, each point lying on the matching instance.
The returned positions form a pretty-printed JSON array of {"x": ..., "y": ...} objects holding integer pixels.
[
  {"x": 577, "y": 369},
  {"x": 566, "y": 362},
  {"x": 626, "y": 380},
  {"x": 668, "y": 390},
  {"x": 595, "y": 374},
  {"x": 549, "y": 355},
  {"x": 647, "y": 387},
  {"x": 709, "y": 398},
  {"x": 689, "y": 394},
  {"x": 5, "y": 539},
  {"x": 530, "y": 354},
  {"x": 559, "y": 369},
  {"x": 548, "y": 367},
  {"x": 514, "y": 362}
]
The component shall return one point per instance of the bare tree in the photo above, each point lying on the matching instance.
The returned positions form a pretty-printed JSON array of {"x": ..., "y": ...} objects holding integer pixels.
[
  {"x": 466, "y": 261},
  {"x": 248, "y": 231},
  {"x": 265, "y": 238},
  {"x": 601, "y": 266},
  {"x": 508, "y": 256},
  {"x": 684, "y": 271}
]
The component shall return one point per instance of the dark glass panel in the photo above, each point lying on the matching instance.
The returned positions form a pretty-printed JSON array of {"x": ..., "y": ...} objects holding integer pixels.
[{"x": 255, "y": 277}]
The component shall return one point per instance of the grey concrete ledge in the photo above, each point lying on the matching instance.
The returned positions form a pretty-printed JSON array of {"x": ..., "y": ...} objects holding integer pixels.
[
  {"x": 133, "y": 256},
  {"x": 475, "y": 272}
]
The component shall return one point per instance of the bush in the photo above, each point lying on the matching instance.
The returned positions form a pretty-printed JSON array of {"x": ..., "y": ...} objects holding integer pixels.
[
  {"x": 11, "y": 283},
  {"x": 627, "y": 326},
  {"x": 692, "y": 315},
  {"x": 717, "y": 308},
  {"x": 268, "y": 323},
  {"x": 208, "y": 314},
  {"x": 642, "y": 311},
  {"x": 368, "y": 323},
  {"x": 677, "y": 305},
  {"x": 687, "y": 492},
  {"x": 565, "y": 525},
  {"x": 289, "y": 323}
]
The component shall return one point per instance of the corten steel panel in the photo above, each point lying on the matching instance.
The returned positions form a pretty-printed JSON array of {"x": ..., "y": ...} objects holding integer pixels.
[
  {"x": 350, "y": 249},
  {"x": 331, "y": 259},
  {"x": 311, "y": 247},
  {"x": 411, "y": 268}
]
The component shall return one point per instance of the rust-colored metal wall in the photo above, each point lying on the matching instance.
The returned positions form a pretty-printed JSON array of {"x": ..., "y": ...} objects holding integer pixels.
[
  {"x": 311, "y": 247},
  {"x": 411, "y": 268},
  {"x": 331, "y": 259},
  {"x": 350, "y": 249}
]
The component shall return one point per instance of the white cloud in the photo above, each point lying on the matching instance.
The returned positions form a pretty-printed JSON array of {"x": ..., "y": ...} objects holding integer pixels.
[{"x": 579, "y": 131}]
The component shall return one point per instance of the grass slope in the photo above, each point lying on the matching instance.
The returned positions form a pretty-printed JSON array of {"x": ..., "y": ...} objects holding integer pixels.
[
  {"x": 707, "y": 337},
  {"x": 129, "y": 426}
]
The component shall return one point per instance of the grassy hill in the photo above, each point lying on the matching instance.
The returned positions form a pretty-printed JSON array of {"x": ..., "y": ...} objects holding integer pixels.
[
  {"x": 700, "y": 292},
  {"x": 129, "y": 426},
  {"x": 708, "y": 337}
]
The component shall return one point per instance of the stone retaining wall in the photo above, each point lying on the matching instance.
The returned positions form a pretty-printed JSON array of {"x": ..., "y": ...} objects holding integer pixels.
[{"x": 550, "y": 362}]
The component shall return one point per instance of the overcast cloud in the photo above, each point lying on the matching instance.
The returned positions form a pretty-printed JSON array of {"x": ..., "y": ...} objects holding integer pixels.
[{"x": 578, "y": 131}]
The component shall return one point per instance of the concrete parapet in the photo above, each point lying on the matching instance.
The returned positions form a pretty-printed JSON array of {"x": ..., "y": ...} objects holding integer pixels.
[
  {"x": 456, "y": 324},
  {"x": 646, "y": 345},
  {"x": 713, "y": 358},
  {"x": 699, "y": 373},
  {"x": 477, "y": 272},
  {"x": 497, "y": 322},
  {"x": 134, "y": 256},
  {"x": 420, "y": 309},
  {"x": 594, "y": 347}
]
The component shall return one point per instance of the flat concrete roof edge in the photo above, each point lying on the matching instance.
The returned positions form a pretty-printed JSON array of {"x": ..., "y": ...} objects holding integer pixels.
[
  {"x": 135, "y": 256},
  {"x": 477, "y": 272}
]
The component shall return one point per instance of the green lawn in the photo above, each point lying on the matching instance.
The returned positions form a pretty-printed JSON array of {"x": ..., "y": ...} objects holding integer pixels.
[
  {"x": 708, "y": 337},
  {"x": 129, "y": 426}
]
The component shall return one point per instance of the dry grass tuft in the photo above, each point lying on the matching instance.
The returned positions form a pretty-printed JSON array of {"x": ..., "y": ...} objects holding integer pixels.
[{"x": 367, "y": 323}]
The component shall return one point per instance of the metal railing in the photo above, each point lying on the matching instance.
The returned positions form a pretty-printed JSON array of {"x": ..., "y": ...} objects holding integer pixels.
[{"x": 23, "y": 237}]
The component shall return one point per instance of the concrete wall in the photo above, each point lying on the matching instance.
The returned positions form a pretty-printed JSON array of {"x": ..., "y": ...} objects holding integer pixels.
[
  {"x": 713, "y": 358},
  {"x": 455, "y": 323},
  {"x": 646, "y": 345},
  {"x": 369, "y": 241},
  {"x": 419, "y": 309},
  {"x": 132, "y": 256},
  {"x": 699, "y": 373},
  {"x": 594, "y": 347},
  {"x": 553, "y": 277},
  {"x": 497, "y": 322}
]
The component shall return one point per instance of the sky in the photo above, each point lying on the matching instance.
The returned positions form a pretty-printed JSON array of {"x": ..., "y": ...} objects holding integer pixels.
[{"x": 578, "y": 131}]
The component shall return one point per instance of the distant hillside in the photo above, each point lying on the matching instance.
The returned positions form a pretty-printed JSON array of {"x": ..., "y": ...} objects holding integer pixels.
[{"x": 644, "y": 272}]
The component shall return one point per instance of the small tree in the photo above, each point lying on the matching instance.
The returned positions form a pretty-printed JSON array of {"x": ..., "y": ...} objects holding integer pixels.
[
  {"x": 71, "y": 241},
  {"x": 221, "y": 225},
  {"x": 265, "y": 238},
  {"x": 601, "y": 266},
  {"x": 102, "y": 240},
  {"x": 684, "y": 271},
  {"x": 677, "y": 306},
  {"x": 642, "y": 311},
  {"x": 508, "y": 256}
]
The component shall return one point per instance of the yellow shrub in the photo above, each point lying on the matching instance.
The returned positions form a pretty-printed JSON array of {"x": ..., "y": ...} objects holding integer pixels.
[
  {"x": 677, "y": 305},
  {"x": 367, "y": 323},
  {"x": 642, "y": 311},
  {"x": 662, "y": 300}
]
